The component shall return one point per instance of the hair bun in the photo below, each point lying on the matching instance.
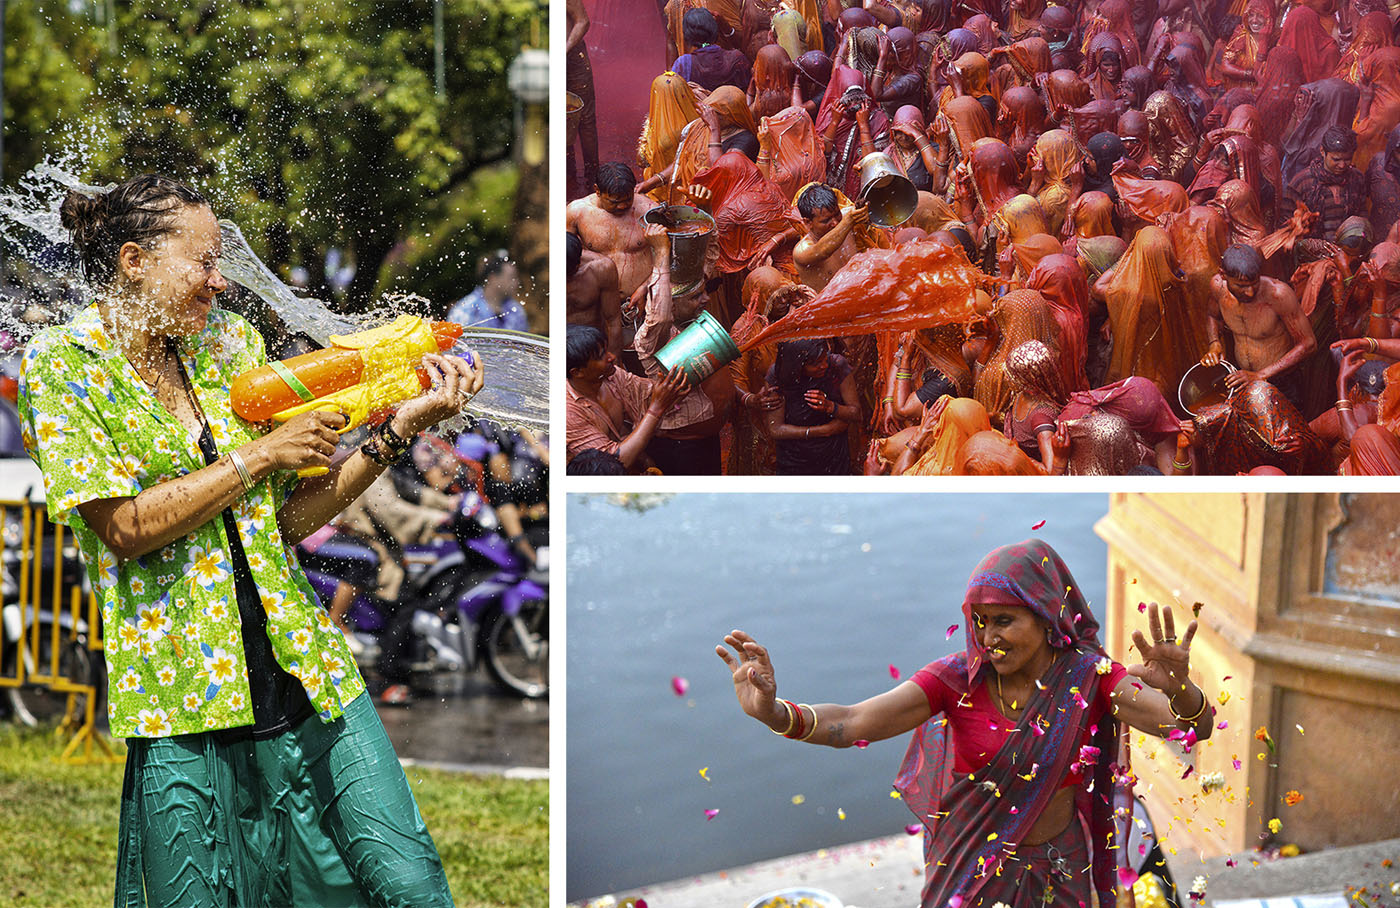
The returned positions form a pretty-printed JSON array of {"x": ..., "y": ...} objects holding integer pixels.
[{"x": 81, "y": 214}]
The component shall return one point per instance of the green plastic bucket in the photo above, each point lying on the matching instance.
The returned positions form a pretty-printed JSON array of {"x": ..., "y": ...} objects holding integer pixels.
[{"x": 701, "y": 350}]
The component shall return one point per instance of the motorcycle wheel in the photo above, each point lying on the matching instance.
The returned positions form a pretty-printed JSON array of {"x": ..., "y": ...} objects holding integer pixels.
[{"x": 516, "y": 650}]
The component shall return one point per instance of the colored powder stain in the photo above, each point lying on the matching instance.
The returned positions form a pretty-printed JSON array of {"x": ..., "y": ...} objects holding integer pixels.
[
  {"x": 711, "y": 813},
  {"x": 679, "y": 686}
]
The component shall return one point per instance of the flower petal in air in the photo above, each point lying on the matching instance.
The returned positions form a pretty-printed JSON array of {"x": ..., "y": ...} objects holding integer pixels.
[
  {"x": 711, "y": 813},
  {"x": 1036, "y": 526},
  {"x": 894, "y": 673},
  {"x": 679, "y": 686},
  {"x": 952, "y": 629},
  {"x": 1127, "y": 876},
  {"x": 913, "y": 828}
]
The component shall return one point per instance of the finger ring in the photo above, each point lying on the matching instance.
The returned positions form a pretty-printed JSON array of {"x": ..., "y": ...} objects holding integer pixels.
[{"x": 1169, "y": 640}]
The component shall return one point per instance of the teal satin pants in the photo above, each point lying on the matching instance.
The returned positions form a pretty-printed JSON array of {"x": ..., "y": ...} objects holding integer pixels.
[{"x": 319, "y": 815}]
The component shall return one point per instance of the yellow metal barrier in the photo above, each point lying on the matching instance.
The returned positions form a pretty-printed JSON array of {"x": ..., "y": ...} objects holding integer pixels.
[{"x": 53, "y": 658}]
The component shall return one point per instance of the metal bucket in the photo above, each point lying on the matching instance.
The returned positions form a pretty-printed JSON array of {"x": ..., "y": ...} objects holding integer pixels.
[
  {"x": 688, "y": 242},
  {"x": 573, "y": 111},
  {"x": 889, "y": 194},
  {"x": 701, "y": 350},
  {"x": 1203, "y": 386}
]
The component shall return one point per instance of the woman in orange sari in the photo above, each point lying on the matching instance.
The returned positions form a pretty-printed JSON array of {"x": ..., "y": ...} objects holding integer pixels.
[
  {"x": 1147, "y": 309},
  {"x": 1239, "y": 203},
  {"x": 1057, "y": 176},
  {"x": 1065, "y": 92},
  {"x": 1199, "y": 237},
  {"x": 771, "y": 90},
  {"x": 752, "y": 215},
  {"x": 1020, "y": 316},
  {"x": 729, "y": 110},
  {"x": 1113, "y": 17},
  {"x": 991, "y": 179},
  {"x": 973, "y": 77},
  {"x": 1061, "y": 280},
  {"x": 1088, "y": 216},
  {"x": 788, "y": 151},
  {"x": 1027, "y": 63},
  {"x": 1372, "y": 33},
  {"x": 672, "y": 106},
  {"x": 1170, "y": 136},
  {"x": 958, "y": 126},
  {"x": 1021, "y": 120},
  {"x": 1379, "y": 109},
  {"x": 934, "y": 447},
  {"x": 1242, "y": 59},
  {"x": 1104, "y": 67}
]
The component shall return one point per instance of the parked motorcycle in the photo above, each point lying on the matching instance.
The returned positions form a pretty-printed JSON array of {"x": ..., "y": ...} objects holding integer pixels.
[{"x": 467, "y": 599}]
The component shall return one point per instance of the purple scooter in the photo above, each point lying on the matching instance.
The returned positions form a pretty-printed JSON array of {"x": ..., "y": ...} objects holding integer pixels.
[{"x": 468, "y": 598}]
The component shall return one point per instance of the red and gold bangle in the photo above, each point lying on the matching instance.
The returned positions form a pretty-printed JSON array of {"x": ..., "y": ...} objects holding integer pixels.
[{"x": 800, "y": 727}]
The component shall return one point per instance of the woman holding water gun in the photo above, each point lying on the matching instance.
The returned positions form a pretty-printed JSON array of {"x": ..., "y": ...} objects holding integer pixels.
[{"x": 256, "y": 773}]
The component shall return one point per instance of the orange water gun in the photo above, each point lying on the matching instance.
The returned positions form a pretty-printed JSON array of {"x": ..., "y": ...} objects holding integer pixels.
[{"x": 359, "y": 375}]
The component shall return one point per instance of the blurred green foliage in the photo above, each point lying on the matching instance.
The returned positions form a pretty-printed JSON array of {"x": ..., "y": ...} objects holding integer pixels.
[{"x": 311, "y": 123}]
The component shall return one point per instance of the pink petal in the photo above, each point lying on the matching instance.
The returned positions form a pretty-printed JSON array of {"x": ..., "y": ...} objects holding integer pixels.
[
  {"x": 1142, "y": 606},
  {"x": 955, "y": 902},
  {"x": 894, "y": 673},
  {"x": 1014, "y": 810},
  {"x": 1231, "y": 862},
  {"x": 1037, "y": 730},
  {"x": 1189, "y": 770},
  {"x": 679, "y": 685},
  {"x": 952, "y": 629},
  {"x": 1223, "y": 725},
  {"x": 711, "y": 813},
  {"x": 1036, "y": 526},
  {"x": 1237, "y": 764},
  {"x": 1127, "y": 876},
  {"x": 913, "y": 828},
  {"x": 862, "y": 744}
]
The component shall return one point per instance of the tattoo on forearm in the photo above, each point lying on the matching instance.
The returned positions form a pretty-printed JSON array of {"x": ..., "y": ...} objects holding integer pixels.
[{"x": 836, "y": 732}]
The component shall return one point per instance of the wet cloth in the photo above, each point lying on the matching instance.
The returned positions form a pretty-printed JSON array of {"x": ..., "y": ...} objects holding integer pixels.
[
  {"x": 1317, "y": 51},
  {"x": 1171, "y": 137},
  {"x": 1020, "y": 316},
  {"x": 318, "y": 815},
  {"x": 175, "y": 649},
  {"x": 712, "y": 66},
  {"x": 1278, "y": 88},
  {"x": 1061, "y": 280},
  {"x": 1381, "y": 71},
  {"x": 1383, "y": 185},
  {"x": 1063, "y": 165},
  {"x": 773, "y": 73},
  {"x": 1330, "y": 102},
  {"x": 1147, "y": 307},
  {"x": 795, "y": 154},
  {"x": 966, "y": 820},
  {"x": 961, "y": 419},
  {"x": 843, "y": 157},
  {"x": 749, "y": 211},
  {"x": 671, "y": 107},
  {"x": 1334, "y": 197},
  {"x": 1258, "y": 426}
]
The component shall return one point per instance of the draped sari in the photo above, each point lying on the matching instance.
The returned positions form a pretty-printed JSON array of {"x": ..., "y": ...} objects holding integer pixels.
[
  {"x": 672, "y": 106},
  {"x": 842, "y": 159},
  {"x": 749, "y": 211},
  {"x": 1063, "y": 166},
  {"x": 732, "y": 109},
  {"x": 1381, "y": 70},
  {"x": 794, "y": 153},
  {"x": 967, "y": 858},
  {"x": 1020, "y": 119},
  {"x": 773, "y": 73},
  {"x": 1239, "y": 203},
  {"x": 1278, "y": 87},
  {"x": 962, "y": 418},
  {"x": 1147, "y": 309},
  {"x": 1317, "y": 51},
  {"x": 1020, "y": 316},
  {"x": 1061, "y": 281}
]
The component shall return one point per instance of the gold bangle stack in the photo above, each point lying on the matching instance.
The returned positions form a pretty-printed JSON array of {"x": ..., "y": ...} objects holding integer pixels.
[
  {"x": 241, "y": 469},
  {"x": 792, "y": 719}
]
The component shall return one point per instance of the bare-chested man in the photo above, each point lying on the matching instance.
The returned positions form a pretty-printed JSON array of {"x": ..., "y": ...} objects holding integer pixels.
[
  {"x": 1272, "y": 335},
  {"x": 831, "y": 235},
  {"x": 610, "y": 223},
  {"x": 592, "y": 296}
]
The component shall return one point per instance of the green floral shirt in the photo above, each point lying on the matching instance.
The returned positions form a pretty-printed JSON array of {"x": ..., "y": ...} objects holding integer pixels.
[{"x": 171, "y": 630}]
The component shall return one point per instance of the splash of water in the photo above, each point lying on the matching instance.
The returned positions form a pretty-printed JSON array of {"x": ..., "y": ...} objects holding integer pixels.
[{"x": 517, "y": 363}]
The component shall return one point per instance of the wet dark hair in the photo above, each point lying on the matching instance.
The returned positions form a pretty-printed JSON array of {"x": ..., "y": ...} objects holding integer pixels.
[
  {"x": 593, "y": 462},
  {"x": 1339, "y": 140},
  {"x": 581, "y": 344},
  {"x": 793, "y": 355},
  {"x": 820, "y": 197},
  {"x": 616, "y": 179},
  {"x": 492, "y": 265},
  {"x": 143, "y": 210},
  {"x": 699, "y": 27},
  {"x": 965, "y": 239},
  {"x": 1242, "y": 262},
  {"x": 573, "y": 248},
  {"x": 744, "y": 142}
]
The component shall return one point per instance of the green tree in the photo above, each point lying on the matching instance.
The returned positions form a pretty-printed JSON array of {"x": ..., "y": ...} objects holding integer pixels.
[{"x": 312, "y": 123}]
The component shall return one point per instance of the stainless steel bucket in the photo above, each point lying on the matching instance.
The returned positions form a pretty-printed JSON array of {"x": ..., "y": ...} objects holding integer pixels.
[
  {"x": 690, "y": 230},
  {"x": 892, "y": 199},
  {"x": 573, "y": 110},
  {"x": 1203, "y": 386}
]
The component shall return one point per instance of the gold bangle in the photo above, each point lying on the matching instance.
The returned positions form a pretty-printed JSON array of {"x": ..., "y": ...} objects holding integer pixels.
[
  {"x": 1179, "y": 465},
  {"x": 1373, "y": 344},
  {"x": 241, "y": 469},
  {"x": 792, "y": 719},
  {"x": 1205, "y": 701},
  {"x": 813, "y": 730}
]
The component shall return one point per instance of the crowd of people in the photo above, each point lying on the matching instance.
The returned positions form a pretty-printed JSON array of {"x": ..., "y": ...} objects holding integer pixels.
[{"x": 1179, "y": 217}]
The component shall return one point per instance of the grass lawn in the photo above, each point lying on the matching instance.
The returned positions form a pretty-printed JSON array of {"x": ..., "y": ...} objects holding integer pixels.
[{"x": 59, "y": 826}]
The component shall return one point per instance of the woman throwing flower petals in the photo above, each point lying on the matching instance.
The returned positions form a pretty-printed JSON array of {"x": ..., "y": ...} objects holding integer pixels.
[{"x": 1015, "y": 758}]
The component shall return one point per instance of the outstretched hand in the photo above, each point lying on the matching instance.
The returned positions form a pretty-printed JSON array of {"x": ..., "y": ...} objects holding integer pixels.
[
  {"x": 1166, "y": 662},
  {"x": 754, "y": 683}
]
